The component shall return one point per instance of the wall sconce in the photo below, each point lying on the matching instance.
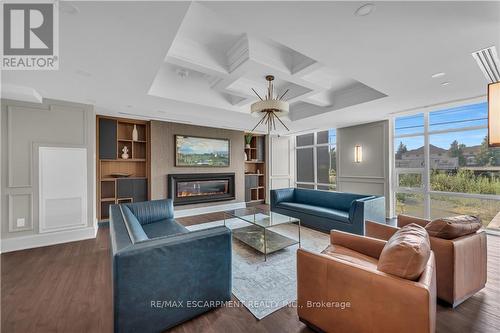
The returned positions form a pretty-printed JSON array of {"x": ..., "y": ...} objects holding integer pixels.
[
  {"x": 358, "y": 154},
  {"x": 494, "y": 114}
]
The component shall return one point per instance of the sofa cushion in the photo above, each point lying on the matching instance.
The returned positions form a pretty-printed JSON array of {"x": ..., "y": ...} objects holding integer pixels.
[
  {"x": 152, "y": 211},
  {"x": 328, "y": 213},
  {"x": 163, "y": 228},
  {"x": 134, "y": 228},
  {"x": 346, "y": 254},
  {"x": 453, "y": 227},
  {"x": 328, "y": 199},
  {"x": 406, "y": 253}
]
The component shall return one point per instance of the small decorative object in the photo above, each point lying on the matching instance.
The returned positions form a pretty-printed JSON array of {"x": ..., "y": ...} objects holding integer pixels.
[
  {"x": 246, "y": 157},
  {"x": 358, "y": 154},
  {"x": 248, "y": 140},
  {"x": 125, "y": 153},
  {"x": 135, "y": 134},
  {"x": 258, "y": 171},
  {"x": 120, "y": 175}
]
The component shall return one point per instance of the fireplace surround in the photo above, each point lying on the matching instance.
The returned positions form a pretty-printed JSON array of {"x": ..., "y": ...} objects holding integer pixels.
[{"x": 193, "y": 188}]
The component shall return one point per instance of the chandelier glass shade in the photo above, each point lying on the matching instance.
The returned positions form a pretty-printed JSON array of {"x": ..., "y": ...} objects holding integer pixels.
[{"x": 270, "y": 108}]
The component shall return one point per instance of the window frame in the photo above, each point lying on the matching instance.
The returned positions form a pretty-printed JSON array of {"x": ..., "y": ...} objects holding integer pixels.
[
  {"x": 314, "y": 146},
  {"x": 426, "y": 189}
]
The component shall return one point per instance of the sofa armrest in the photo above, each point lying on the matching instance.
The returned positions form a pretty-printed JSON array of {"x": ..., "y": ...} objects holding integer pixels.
[
  {"x": 462, "y": 264},
  {"x": 379, "y": 230},
  {"x": 368, "y": 246},
  {"x": 182, "y": 268},
  {"x": 377, "y": 301},
  {"x": 371, "y": 208},
  {"x": 281, "y": 195},
  {"x": 407, "y": 219}
]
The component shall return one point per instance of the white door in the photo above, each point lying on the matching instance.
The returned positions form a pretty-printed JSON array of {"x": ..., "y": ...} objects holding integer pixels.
[{"x": 281, "y": 162}]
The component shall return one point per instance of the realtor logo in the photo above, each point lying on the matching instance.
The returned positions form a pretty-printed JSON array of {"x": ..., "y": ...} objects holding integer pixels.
[{"x": 30, "y": 36}]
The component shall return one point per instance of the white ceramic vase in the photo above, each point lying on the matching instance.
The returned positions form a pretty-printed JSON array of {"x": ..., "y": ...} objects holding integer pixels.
[{"x": 135, "y": 134}]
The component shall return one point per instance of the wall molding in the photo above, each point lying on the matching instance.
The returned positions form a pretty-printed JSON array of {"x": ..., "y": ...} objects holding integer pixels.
[
  {"x": 208, "y": 209},
  {"x": 29, "y": 224},
  {"x": 42, "y": 222},
  {"x": 39, "y": 240}
]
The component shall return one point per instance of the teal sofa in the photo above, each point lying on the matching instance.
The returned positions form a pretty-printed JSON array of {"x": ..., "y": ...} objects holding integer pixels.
[
  {"x": 327, "y": 210},
  {"x": 164, "y": 274}
]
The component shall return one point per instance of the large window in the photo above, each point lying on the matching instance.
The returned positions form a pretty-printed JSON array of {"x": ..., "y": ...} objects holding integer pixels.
[
  {"x": 443, "y": 165},
  {"x": 316, "y": 160}
]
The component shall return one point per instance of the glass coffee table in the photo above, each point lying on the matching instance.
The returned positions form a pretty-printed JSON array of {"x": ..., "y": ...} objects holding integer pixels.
[{"x": 257, "y": 233}]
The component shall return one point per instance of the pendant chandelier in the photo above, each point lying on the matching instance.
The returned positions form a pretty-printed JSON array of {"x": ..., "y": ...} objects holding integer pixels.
[{"x": 270, "y": 108}]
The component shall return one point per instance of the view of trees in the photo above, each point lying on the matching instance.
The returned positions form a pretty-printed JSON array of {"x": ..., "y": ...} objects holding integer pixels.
[
  {"x": 401, "y": 150},
  {"x": 461, "y": 180}
]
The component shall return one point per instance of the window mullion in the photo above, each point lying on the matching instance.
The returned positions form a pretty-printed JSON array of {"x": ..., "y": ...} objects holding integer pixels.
[{"x": 427, "y": 162}]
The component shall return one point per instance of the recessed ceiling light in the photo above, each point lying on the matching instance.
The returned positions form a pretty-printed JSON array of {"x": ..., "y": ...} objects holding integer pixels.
[
  {"x": 440, "y": 74},
  {"x": 182, "y": 73},
  {"x": 68, "y": 8},
  {"x": 445, "y": 83},
  {"x": 365, "y": 10}
]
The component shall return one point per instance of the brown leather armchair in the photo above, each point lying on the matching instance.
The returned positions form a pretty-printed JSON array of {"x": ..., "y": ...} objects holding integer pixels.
[
  {"x": 341, "y": 290},
  {"x": 460, "y": 262}
]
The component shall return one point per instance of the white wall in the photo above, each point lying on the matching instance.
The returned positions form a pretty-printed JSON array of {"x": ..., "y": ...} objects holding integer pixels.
[
  {"x": 25, "y": 127},
  {"x": 373, "y": 174}
]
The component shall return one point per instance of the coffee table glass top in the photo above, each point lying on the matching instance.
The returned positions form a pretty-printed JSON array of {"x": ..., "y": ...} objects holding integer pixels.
[{"x": 260, "y": 217}]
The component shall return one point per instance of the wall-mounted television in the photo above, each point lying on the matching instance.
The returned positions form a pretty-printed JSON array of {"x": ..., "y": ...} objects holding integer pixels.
[{"x": 192, "y": 151}]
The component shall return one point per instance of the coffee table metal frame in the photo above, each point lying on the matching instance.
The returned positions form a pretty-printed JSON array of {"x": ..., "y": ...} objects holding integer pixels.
[{"x": 261, "y": 221}]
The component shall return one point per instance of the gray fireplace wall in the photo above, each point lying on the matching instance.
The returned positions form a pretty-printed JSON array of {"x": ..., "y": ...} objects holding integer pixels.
[{"x": 163, "y": 158}]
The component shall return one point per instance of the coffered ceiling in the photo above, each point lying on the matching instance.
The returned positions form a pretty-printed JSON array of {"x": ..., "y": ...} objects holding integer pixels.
[
  {"x": 222, "y": 68},
  {"x": 197, "y": 62}
]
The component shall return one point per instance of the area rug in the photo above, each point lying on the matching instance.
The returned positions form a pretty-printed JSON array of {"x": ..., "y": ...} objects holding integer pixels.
[{"x": 266, "y": 286}]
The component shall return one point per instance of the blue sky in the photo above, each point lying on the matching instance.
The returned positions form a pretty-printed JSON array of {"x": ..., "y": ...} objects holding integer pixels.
[{"x": 452, "y": 118}]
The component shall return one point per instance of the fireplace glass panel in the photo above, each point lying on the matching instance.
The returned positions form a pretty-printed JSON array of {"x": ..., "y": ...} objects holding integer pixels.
[{"x": 202, "y": 188}]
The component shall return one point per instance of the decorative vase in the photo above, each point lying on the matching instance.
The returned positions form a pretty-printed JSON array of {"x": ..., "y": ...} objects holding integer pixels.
[
  {"x": 125, "y": 153},
  {"x": 246, "y": 157},
  {"x": 135, "y": 134},
  {"x": 247, "y": 146}
]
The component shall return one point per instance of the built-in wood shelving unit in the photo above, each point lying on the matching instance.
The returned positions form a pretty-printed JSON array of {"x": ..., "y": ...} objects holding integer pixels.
[
  {"x": 255, "y": 170},
  {"x": 113, "y": 134}
]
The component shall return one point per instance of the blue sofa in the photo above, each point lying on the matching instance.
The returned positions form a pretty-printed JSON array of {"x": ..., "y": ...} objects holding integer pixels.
[
  {"x": 326, "y": 210},
  {"x": 164, "y": 274}
]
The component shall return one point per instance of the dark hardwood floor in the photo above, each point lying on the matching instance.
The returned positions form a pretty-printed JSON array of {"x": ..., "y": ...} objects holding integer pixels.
[{"x": 67, "y": 288}]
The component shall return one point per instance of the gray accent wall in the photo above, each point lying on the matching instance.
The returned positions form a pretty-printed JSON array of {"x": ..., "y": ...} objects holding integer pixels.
[
  {"x": 163, "y": 158},
  {"x": 373, "y": 174},
  {"x": 24, "y": 128}
]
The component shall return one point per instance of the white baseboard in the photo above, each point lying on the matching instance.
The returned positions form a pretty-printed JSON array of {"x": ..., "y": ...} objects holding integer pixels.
[
  {"x": 209, "y": 209},
  {"x": 46, "y": 239}
]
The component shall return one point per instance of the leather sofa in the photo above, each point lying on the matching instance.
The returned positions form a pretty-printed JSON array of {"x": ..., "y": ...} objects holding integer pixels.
[
  {"x": 162, "y": 273},
  {"x": 327, "y": 210},
  {"x": 460, "y": 262},
  {"x": 341, "y": 290}
]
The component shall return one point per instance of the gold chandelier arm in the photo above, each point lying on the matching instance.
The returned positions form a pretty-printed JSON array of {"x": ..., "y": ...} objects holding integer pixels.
[
  {"x": 282, "y": 123},
  {"x": 257, "y": 94},
  {"x": 283, "y": 95},
  {"x": 260, "y": 122}
]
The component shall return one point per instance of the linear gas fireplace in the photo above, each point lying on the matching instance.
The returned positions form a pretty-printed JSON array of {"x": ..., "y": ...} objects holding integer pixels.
[{"x": 191, "y": 188}]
